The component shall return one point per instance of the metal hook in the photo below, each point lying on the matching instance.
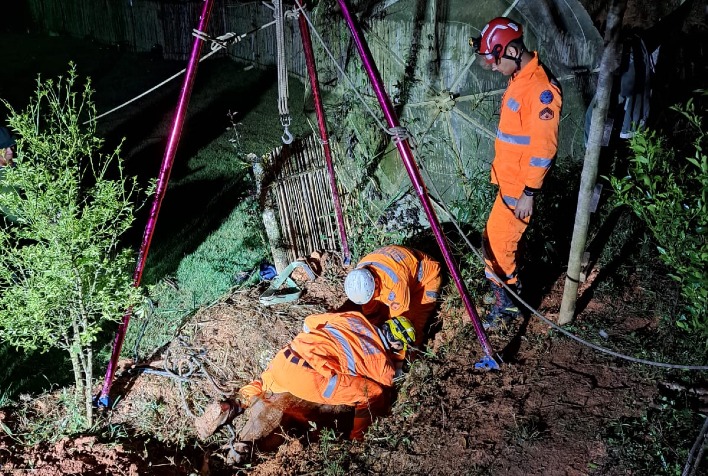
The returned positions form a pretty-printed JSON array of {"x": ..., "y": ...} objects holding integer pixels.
[{"x": 287, "y": 136}]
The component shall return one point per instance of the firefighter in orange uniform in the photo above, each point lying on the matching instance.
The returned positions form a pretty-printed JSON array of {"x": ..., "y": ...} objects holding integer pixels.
[
  {"x": 525, "y": 147},
  {"x": 396, "y": 281},
  {"x": 339, "y": 359}
]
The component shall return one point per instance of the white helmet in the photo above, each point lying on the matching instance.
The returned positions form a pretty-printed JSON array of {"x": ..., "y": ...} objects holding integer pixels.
[{"x": 360, "y": 286}]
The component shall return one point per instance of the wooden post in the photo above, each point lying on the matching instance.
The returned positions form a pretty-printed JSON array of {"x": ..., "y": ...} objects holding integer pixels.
[
  {"x": 270, "y": 220},
  {"x": 608, "y": 64}
]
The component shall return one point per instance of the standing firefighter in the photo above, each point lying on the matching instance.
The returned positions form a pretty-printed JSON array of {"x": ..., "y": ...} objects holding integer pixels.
[
  {"x": 526, "y": 144},
  {"x": 338, "y": 360},
  {"x": 396, "y": 281}
]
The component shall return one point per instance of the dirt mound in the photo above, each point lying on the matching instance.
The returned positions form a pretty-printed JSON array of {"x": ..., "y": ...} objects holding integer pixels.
[{"x": 217, "y": 351}]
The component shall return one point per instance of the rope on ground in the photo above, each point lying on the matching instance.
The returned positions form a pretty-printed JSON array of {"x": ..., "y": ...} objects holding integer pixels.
[
  {"x": 441, "y": 205},
  {"x": 194, "y": 365},
  {"x": 218, "y": 44},
  {"x": 232, "y": 438},
  {"x": 183, "y": 370}
]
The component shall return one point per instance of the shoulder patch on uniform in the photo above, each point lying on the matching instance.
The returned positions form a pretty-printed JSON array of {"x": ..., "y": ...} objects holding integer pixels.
[
  {"x": 546, "y": 114},
  {"x": 546, "y": 97},
  {"x": 513, "y": 104}
]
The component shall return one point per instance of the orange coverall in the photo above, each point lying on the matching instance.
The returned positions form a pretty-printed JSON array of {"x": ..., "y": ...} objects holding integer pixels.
[
  {"x": 338, "y": 359},
  {"x": 526, "y": 144},
  {"x": 409, "y": 285}
]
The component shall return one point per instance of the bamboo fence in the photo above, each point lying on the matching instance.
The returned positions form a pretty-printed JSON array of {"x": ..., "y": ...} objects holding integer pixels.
[{"x": 301, "y": 191}]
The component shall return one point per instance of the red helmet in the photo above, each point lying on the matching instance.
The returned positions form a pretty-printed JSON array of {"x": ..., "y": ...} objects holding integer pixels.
[{"x": 496, "y": 35}]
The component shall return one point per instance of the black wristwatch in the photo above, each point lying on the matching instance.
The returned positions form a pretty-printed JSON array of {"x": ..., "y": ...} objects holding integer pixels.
[{"x": 530, "y": 192}]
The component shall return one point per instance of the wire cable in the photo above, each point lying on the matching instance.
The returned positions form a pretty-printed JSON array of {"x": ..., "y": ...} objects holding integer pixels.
[{"x": 694, "y": 456}]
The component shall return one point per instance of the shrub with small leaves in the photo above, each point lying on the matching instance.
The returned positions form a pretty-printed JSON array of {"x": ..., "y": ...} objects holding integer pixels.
[
  {"x": 667, "y": 188},
  {"x": 63, "y": 272}
]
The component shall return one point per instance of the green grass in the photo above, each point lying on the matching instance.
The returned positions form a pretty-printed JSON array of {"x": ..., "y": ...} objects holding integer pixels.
[
  {"x": 220, "y": 262},
  {"x": 211, "y": 236}
]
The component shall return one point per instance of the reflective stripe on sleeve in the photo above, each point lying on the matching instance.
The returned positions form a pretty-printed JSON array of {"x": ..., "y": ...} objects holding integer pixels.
[
  {"x": 331, "y": 385},
  {"x": 391, "y": 274},
  {"x": 511, "y": 201},
  {"x": 513, "y": 104},
  {"x": 488, "y": 274},
  {"x": 512, "y": 139}
]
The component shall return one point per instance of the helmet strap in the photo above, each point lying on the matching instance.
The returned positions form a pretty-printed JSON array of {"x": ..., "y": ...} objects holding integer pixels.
[{"x": 516, "y": 59}]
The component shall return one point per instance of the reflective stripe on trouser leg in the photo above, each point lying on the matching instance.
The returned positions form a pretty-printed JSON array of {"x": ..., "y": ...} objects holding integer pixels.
[{"x": 502, "y": 235}]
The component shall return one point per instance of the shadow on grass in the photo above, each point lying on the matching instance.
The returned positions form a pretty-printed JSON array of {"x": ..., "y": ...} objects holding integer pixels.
[
  {"x": 204, "y": 190},
  {"x": 32, "y": 372}
]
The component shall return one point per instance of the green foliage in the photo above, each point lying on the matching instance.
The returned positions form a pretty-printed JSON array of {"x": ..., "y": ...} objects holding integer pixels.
[
  {"x": 333, "y": 457},
  {"x": 365, "y": 232},
  {"x": 48, "y": 418},
  {"x": 527, "y": 430},
  {"x": 63, "y": 273},
  {"x": 667, "y": 188},
  {"x": 656, "y": 442},
  {"x": 478, "y": 193}
]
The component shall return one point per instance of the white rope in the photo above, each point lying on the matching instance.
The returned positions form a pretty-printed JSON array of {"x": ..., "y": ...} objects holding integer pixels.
[
  {"x": 217, "y": 44},
  {"x": 282, "y": 71}
]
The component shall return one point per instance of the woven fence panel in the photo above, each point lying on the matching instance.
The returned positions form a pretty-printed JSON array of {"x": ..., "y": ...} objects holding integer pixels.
[
  {"x": 301, "y": 191},
  {"x": 178, "y": 20}
]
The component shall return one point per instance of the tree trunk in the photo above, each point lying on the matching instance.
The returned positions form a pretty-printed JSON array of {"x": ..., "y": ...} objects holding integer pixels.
[
  {"x": 88, "y": 386},
  {"x": 608, "y": 64},
  {"x": 270, "y": 220},
  {"x": 78, "y": 377}
]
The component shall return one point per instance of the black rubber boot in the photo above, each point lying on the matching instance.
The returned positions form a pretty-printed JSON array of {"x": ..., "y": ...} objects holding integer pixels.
[{"x": 503, "y": 311}]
